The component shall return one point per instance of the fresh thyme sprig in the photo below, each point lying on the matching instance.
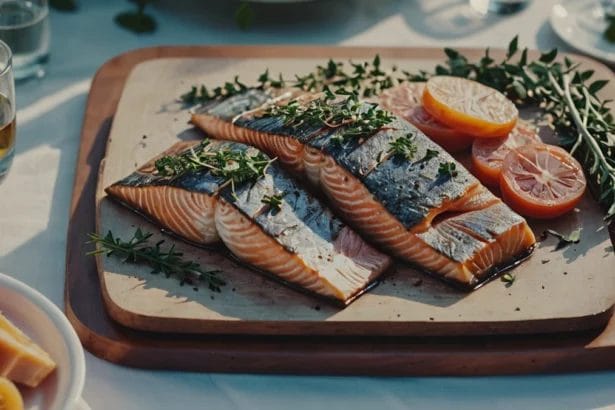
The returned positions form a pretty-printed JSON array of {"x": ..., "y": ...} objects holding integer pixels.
[
  {"x": 429, "y": 154},
  {"x": 274, "y": 201},
  {"x": 567, "y": 96},
  {"x": 368, "y": 78},
  {"x": 169, "y": 262},
  {"x": 447, "y": 170},
  {"x": 404, "y": 147},
  {"x": 201, "y": 94},
  {"x": 233, "y": 166},
  {"x": 357, "y": 118}
]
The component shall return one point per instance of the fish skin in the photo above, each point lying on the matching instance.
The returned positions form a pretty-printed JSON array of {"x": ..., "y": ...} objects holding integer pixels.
[
  {"x": 408, "y": 201},
  {"x": 307, "y": 245}
]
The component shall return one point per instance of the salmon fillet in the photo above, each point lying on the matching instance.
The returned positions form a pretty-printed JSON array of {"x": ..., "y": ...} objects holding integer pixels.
[
  {"x": 451, "y": 226},
  {"x": 301, "y": 243}
]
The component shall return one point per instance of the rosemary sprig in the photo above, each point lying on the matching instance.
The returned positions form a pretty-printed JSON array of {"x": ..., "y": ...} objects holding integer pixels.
[
  {"x": 447, "y": 170},
  {"x": 233, "y": 166},
  {"x": 357, "y": 118},
  {"x": 169, "y": 262},
  {"x": 567, "y": 96},
  {"x": 404, "y": 147}
]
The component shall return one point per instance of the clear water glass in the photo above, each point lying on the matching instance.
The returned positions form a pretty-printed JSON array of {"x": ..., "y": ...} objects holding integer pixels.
[
  {"x": 7, "y": 109},
  {"x": 498, "y": 6},
  {"x": 24, "y": 26}
]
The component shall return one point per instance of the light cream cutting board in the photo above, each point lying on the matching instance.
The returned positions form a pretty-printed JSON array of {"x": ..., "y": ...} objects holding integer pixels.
[{"x": 570, "y": 289}]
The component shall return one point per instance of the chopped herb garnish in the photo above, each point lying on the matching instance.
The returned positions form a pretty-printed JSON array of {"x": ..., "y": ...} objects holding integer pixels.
[
  {"x": 357, "y": 118},
  {"x": 508, "y": 278},
  {"x": 169, "y": 262},
  {"x": 234, "y": 166},
  {"x": 404, "y": 147},
  {"x": 564, "y": 240},
  {"x": 447, "y": 170},
  {"x": 274, "y": 201},
  {"x": 429, "y": 154}
]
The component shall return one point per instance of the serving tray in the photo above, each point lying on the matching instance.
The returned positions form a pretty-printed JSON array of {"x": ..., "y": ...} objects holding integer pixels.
[{"x": 386, "y": 355}]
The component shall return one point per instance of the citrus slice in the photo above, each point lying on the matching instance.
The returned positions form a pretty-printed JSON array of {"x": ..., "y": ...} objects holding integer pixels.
[
  {"x": 405, "y": 100},
  {"x": 469, "y": 107},
  {"x": 10, "y": 398},
  {"x": 541, "y": 181},
  {"x": 488, "y": 153}
]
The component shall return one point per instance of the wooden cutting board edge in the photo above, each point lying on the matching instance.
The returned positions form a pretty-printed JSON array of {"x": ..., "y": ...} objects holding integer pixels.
[{"x": 121, "y": 345}]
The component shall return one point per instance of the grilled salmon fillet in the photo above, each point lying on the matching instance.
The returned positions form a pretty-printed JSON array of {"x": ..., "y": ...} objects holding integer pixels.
[
  {"x": 301, "y": 243},
  {"x": 451, "y": 226}
]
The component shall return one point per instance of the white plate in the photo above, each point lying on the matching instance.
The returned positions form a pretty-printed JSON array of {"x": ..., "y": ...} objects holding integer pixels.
[
  {"x": 44, "y": 323},
  {"x": 581, "y": 24}
]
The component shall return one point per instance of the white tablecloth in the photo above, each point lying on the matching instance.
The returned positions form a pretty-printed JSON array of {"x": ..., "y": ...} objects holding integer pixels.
[{"x": 34, "y": 198}]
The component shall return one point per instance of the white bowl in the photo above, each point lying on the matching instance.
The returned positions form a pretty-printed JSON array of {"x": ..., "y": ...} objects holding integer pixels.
[{"x": 44, "y": 323}]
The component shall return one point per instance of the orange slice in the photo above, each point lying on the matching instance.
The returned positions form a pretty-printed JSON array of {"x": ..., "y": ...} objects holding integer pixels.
[
  {"x": 405, "y": 100},
  {"x": 541, "y": 181},
  {"x": 488, "y": 153},
  {"x": 469, "y": 107}
]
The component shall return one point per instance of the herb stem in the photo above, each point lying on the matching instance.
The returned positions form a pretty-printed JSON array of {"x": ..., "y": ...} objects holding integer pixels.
[{"x": 581, "y": 128}]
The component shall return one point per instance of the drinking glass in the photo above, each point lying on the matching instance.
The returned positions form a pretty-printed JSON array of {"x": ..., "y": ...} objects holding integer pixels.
[
  {"x": 24, "y": 26},
  {"x": 498, "y": 6},
  {"x": 7, "y": 109}
]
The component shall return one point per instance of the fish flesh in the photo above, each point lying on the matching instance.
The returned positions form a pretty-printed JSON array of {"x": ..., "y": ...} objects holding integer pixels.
[
  {"x": 300, "y": 242},
  {"x": 449, "y": 226}
]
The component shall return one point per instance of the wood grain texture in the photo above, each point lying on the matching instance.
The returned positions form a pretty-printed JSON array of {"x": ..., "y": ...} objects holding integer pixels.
[{"x": 357, "y": 355}]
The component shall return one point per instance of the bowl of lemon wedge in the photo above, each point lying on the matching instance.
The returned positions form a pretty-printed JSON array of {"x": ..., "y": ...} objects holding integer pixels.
[{"x": 42, "y": 364}]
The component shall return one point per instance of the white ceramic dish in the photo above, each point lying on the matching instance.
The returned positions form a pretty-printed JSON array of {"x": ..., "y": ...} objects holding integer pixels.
[
  {"x": 44, "y": 323},
  {"x": 581, "y": 24}
]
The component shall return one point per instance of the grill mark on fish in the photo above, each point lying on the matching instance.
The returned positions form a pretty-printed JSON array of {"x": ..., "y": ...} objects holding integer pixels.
[
  {"x": 435, "y": 221},
  {"x": 302, "y": 243}
]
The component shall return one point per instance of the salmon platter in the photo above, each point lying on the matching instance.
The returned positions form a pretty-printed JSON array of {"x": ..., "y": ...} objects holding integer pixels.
[{"x": 350, "y": 197}]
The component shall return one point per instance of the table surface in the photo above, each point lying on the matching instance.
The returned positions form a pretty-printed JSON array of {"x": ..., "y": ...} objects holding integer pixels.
[{"x": 35, "y": 196}]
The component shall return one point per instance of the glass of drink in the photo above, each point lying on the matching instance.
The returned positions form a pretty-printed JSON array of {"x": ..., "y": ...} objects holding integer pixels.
[
  {"x": 7, "y": 109},
  {"x": 24, "y": 26}
]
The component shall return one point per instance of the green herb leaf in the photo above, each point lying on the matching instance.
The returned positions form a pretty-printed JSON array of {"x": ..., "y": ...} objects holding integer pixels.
[
  {"x": 244, "y": 16},
  {"x": 513, "y": 47},
  {"x": 233, "y": 166},
  {"x": 274, "y": 201},
  {"x": 597, "y": 86},
  {"x": 135, "y": 22},
  {"x": 508, "y": 278},
  {"x": 447, "y": 170},
  {"x": 168, "y": 261},
  {"x": 549, "y": 56},
  {"x": 429, "y": 154},
  {"x": 63, "y": 5},
  {"x": 404, "y": 147},
  {"x": 565, "y": 240}
]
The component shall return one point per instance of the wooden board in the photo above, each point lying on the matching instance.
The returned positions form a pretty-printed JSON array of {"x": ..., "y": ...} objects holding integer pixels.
[
  {"x": 554, "y": 290},
  {"x": 356, "y": 355}
]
